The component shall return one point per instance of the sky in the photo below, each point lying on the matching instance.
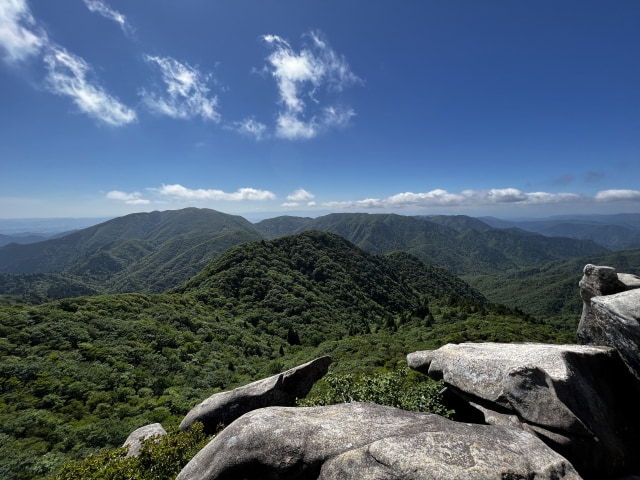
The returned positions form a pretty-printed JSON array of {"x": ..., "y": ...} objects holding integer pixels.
[{"x": 299, "y": 107}]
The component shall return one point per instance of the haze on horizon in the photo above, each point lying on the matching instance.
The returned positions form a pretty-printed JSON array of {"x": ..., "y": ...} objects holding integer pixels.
[{"x": 261, "y": 109}]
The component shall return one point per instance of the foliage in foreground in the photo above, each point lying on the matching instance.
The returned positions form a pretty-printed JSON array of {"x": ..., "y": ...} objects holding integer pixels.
[
  {"x": 159, "y": 458},
  {"x": 162, "y": 458},
  {"x": 399, "y": 388}
]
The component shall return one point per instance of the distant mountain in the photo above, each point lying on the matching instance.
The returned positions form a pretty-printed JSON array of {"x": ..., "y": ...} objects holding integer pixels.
[
  {"x": 616, "y": 232},
  {"x": 134, "y": 252},
  {"x": 151, "y": 252},
  {"x": 459, "y": 250},
  {"x": 281, "y": 226},
  {"x": 21, "y": 239},
  {"x": 460, "y": 222}
]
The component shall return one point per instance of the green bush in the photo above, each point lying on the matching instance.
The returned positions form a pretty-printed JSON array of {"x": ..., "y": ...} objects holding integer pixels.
[
  {"x": 159, "y": 458},
  {"x": 399, "y": 388}
]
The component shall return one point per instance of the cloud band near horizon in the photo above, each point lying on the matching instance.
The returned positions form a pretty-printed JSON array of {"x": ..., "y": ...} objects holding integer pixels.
[{"x": 433, "y": 198}]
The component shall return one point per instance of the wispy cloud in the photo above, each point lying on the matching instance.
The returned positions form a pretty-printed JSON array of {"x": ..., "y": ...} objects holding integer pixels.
[
  {"x": 298, "y": 197},
  {"x": 20, "y": 36},
  {"x": 302, "y": 77},
  {"x": 98, "y": 6},
  {"x": 183, "y": 193},
  {"x": 251, "y": 127},
  {"x": 68, "y": 75},
  {"x": 592, "y": 177},
  {"x": 134, "y": 198},
  {"x": 564, "y": 179},
  {"x": 186, "y": 94}
]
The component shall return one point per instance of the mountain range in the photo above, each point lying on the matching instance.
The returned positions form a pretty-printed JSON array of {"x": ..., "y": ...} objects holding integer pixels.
[
  {"x": 616, "y": 232},
  {"x": 152, "y": 252},
  {"x": 157, "y": 251}
]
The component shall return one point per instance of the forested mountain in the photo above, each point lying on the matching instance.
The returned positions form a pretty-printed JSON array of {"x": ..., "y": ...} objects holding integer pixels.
[
  {"x": 152, "y": 252},
  {"x": 314, "y": 278},
  {"x": 80, "y": 374},
  {"x": 144, "y": 252},
  {"x": 281, "y": 226},
  {"x": 616, "y": 232},
  {"x": 459, "y": 222},
  {"x": 462, "y": 252},
  {"x": 22, "y": 239}
]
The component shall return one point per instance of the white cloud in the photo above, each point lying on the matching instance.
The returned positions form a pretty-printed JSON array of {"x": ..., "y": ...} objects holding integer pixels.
[
  {"x": 299, "y": 196},
  {"x": 251, "y": 127},
  {"x": 180, "y": 192},
  {"x": 291, "y": 127},
  {"x": 186, "y": 94},
  {"x": 20, "y": 37},
  {"x": 617, "y": 195},
  {"x": 441, "y": 198},
  {"x": 67, "y": 75},
  {"x": 301, "y": 77},
  {"x": 103, "y": 9},
  {"x": 134, "y": 198}
]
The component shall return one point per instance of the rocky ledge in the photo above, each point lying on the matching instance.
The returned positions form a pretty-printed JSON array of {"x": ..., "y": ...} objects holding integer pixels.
[{"x": 525, "y": 411}]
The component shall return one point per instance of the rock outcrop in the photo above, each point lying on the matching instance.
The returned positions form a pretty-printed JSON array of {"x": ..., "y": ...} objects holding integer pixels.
[
  {"x": 368, "y": 441},
  {"x": 279, "y": 390},
  {"x": 579, "y": 399},
  {"x": 611, "y": 312},
  {"x": 135, "y": 439}
]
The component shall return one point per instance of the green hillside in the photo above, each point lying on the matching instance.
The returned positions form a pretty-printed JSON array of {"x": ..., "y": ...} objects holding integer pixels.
[
  {"x": 143, "y": 252},
  {"x": 153, "y": 252},
  {"x": 313, "y": 279},
  {"x": 616, "y": 232},
  {"x": 35, "y": 288},
  {"x": 80, "y": 374},
  {"x": 462, "y": 252},
  {"x": 282, "y": 225},
  {"x": 550, "y": 291}
]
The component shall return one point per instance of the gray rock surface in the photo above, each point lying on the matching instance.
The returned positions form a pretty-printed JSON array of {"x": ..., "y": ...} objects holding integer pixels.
[
  {"x": 579, "y": 399},
  {"x": 611, "y": 313},
  {"x": 135, "y": 439},
  {"x": 279, "y": 390},
  {"x": 345, "y": 441},
  {"x": 458, "y": 451}
]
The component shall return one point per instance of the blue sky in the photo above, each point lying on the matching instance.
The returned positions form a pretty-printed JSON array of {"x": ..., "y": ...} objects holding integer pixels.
[{"x": 300, "y": 107}]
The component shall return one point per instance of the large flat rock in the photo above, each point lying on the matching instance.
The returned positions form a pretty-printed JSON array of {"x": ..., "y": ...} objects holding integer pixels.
[{"x": 367, "y": 441}]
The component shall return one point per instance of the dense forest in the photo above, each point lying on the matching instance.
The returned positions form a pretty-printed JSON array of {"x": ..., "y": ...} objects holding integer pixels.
[{"x": 79, "y": 374}]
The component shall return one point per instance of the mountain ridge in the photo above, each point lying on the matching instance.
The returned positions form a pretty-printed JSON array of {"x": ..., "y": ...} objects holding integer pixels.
[{"x": 151, "y": 252}]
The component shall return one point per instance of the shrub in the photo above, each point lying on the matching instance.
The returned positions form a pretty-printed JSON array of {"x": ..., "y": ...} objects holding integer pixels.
[
  {"x": 399, "y": 388},
  {"x": 159, "y": 458}
]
